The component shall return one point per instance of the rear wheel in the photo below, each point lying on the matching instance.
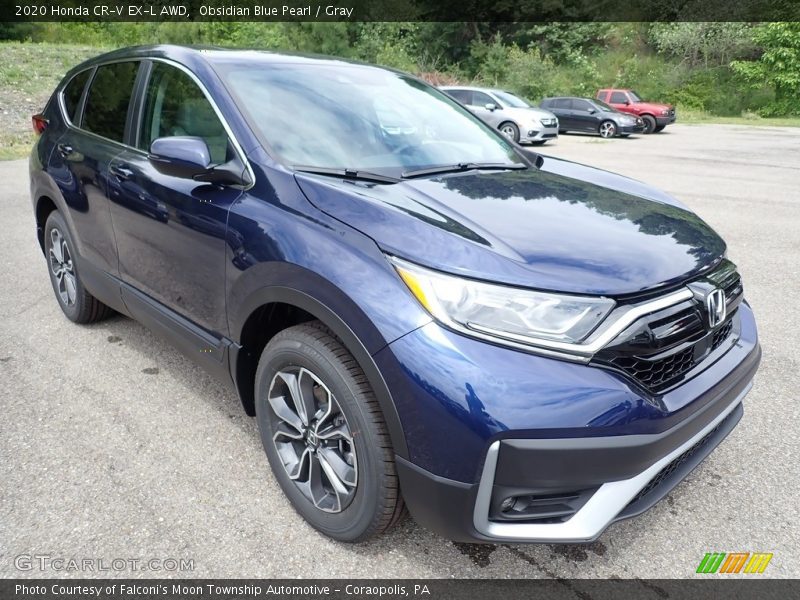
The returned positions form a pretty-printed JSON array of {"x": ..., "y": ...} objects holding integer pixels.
[
  {"x": 510, "y": 130},
  {"x": 649, "y": 124},
  {"x": 324, "y": 435},
  {"x": 75, "y": 301},
  {"x": 607, "y": 129}
]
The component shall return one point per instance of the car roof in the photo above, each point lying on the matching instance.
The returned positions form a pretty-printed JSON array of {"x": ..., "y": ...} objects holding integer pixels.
[{"x": 193, "y": 55}]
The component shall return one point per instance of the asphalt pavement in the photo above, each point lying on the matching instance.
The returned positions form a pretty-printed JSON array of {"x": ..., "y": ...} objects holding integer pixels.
[{"x": 114, "y": 446}]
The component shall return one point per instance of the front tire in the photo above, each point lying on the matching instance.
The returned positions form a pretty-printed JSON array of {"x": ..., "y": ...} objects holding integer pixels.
[
  {"x": 77, "y": 304},
  {"x": 649, "y": 124},
  {"x": 324, "y": 435},
  {"x": 659, "y": 128},
  {"x": 510, "y": 130},
  {"x": 607, "y": 129}
]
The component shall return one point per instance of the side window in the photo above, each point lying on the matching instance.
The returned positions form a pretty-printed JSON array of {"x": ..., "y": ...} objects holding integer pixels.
[
  {"x": 72, "y": 94},
  {"x": 463, "y": 96},
  {"x": 562, "y": 103},
  {"x": 581, "y": 105},
  {"x": 108, "y": 100},
  {"x": 618, "y": 98},
  {"x": 175, "y": 105},
  {"x": 481, "y": 99}
]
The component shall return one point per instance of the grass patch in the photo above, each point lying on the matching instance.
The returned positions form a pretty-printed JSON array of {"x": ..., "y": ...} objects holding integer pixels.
[
  {"x": 28, "y": 74},
  {"x": 699, "y": 117}
]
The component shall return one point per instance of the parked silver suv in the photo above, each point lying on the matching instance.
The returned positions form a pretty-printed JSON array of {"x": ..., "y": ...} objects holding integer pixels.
[{"x": 512, "y": 115}]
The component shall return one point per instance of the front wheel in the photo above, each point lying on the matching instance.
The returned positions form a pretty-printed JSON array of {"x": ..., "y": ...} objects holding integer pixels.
[
  {"x": 659, "y": 128},
  {"x": 607, "y": 129},
  {"x": 324, "y": 435},
  {"x": 510, "y": 130},
  {"x": 649, "y": 124}
]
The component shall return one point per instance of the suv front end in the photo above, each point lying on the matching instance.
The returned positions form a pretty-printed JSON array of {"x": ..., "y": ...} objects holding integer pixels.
[{"x": 521, "y": 445}]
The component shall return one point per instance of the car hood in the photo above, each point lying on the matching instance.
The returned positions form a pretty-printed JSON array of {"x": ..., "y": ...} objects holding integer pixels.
[
  {"x": 563, "y": 227},
  {"x": 523, "y": 113},
  {"x": 653, "y": 106}
]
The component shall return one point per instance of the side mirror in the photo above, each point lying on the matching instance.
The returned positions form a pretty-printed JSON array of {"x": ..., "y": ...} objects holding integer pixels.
[
  {"x": 591, "y": 111},
  {"x": 189, "y": 157},
  {"x": 627, "y": 102},
  {"x": 491, "y": 106},
  {"x": 180, "y": 156}
]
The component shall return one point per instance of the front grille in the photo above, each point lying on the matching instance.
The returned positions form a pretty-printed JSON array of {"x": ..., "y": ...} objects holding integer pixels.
[
  {"x": 655, "y": 373},
  {"x": 661, "y": 350}
]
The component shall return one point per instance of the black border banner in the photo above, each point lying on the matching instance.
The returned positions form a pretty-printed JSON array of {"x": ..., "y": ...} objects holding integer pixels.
[
  {"x": 712, "y": 587},
  {"x": 498, "y": 11}
]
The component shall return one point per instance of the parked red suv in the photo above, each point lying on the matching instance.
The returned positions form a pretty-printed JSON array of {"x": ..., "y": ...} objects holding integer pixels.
[{"x": 655, "y": 116}]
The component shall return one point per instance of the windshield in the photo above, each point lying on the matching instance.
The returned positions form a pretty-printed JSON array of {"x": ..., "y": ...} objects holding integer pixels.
[
  {"x": 634, "y": 97},
  {"x": 512, "y": 100},
  {"x": 603, "y": 106},
  {"x": 362, "y": 118}
]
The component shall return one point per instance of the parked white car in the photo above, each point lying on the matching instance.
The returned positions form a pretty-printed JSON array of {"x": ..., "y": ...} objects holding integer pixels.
[{"x": 513, "y": 116}]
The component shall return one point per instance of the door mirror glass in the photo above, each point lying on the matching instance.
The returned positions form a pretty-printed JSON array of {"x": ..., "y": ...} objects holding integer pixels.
[
  {"x": 180, "y": 156},
  {"x": 490, "y": 106},
  {"x": 591, "y": 111}
]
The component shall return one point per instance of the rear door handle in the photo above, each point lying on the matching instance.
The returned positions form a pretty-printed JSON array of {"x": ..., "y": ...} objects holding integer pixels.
[
  {"x": 121, "y": 172},
  {"x": 65, "y": 149}
]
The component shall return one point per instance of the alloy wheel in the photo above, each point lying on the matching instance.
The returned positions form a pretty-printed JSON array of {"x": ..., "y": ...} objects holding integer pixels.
[
  {"x": 509, "y": 131},
  {"x": 313, "y": 439},
  {"x": 62, "y": 268},
  {"x": 607, "y": 129}
]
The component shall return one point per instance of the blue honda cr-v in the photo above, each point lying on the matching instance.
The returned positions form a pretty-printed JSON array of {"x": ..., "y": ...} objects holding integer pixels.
[{"x": 515, "y": 347}]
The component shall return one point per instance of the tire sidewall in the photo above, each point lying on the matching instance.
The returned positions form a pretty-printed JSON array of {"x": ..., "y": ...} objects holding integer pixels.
[
  {"x": 515, "y": 137},
  {"x": 650, "y": 124},
  {"x": 356, "y": 519}
]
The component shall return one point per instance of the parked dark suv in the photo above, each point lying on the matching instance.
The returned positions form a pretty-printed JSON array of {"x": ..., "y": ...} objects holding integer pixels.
[{"x": 516, "y": 348}]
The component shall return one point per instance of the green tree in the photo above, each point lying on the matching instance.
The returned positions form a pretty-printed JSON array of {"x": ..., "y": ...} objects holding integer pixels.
[{"x": 778, "y": 66}]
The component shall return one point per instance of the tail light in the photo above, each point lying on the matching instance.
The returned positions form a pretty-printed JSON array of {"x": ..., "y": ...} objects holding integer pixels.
[{"x": 39, "y": 124}]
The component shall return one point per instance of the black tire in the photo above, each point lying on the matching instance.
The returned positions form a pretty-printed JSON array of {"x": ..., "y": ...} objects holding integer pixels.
[
  {"x": 649, "y": 124},
  {"x": 77, "y": 304},
  {"x": 539, "y": 143},
  {"x": 659, "y": 128},
  {"x": 624, "y": 135},
  {"x": 510, "y": 130},
  {"x": 562, "y": 131},
  {"x": 607, "y": 129},
  {"x": 375, "y": 504}
]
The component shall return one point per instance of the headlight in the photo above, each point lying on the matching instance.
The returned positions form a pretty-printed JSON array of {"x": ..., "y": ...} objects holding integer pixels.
[
  {"x": 498, "y": 311},
  {"x": 665, "y": 112}
]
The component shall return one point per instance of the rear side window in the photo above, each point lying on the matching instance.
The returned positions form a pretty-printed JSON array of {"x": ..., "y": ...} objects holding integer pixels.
[
  {"x": 108, "y": 100},
  {"x": 463, "y": 96},
  {"x": 73, "y": 92},
  {"x": 175, "y": 105},
  {"x": 618, "y": 98}
]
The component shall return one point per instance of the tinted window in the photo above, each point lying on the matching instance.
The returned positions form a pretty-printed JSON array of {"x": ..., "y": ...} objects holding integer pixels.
[
  {"x": 511, "y": 99},
  {"x": 581, "y": 105},
  {"x": 618, "y": 98},
  {"x": 175, "y": 105},
  {"x": 463, "y": 96},
  {"x": 563, "y": 103},
  {"x": 108, "y": 100},
  {"x": 481, "y": 99},
  {"x": 72, "y": 94}
]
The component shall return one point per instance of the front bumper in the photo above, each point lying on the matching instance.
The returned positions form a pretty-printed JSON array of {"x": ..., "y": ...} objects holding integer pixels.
[
  {"x": 666, "y": 119},
  {"x": 623, "y": 460},
  {"x": 537, "y": 134},
  {"x": 627, "y": 129}
]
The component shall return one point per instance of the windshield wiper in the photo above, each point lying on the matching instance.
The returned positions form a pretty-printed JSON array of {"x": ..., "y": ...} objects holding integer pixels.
[
  {"x": 465, "y": 166},
  {"x": 347, "y": 174}
]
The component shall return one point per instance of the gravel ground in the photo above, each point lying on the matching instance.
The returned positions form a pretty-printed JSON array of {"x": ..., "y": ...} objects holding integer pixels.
[{"x": 113, "y": 445}]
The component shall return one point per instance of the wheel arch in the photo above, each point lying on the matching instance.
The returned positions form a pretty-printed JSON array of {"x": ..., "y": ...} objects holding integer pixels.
[
  {"x": 45, "y": 206},
  {"x": 272, "y": 309}
]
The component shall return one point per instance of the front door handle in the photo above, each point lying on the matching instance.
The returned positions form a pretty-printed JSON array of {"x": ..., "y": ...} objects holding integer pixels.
[
  {"x": 121, "y": 172},
  {"x": 65, "y": 149}
]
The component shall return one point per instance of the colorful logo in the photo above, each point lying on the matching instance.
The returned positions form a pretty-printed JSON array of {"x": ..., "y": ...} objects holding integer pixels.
[{"x": 734, "y": 562}]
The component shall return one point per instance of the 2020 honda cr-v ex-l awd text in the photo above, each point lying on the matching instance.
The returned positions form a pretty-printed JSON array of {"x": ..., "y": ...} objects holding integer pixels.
[{"x": 417, "y": 313}]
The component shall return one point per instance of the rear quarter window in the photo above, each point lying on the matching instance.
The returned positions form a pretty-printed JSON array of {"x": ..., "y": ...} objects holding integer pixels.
[
  {"x": 72, "y": 94},
  {"x": 108, "y": 100}
]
